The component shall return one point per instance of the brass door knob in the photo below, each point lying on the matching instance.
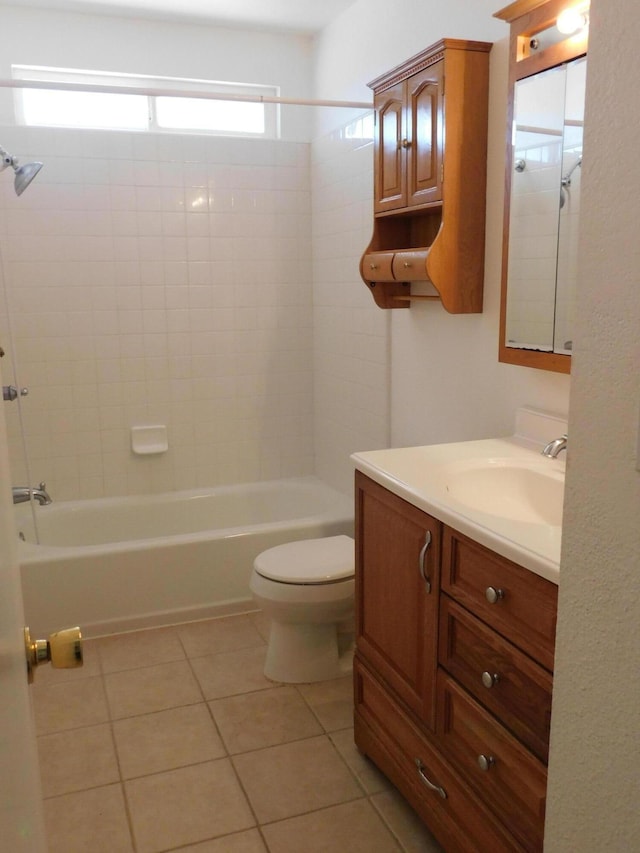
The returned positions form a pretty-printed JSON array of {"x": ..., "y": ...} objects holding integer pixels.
[{"x": 63, "y": 649}]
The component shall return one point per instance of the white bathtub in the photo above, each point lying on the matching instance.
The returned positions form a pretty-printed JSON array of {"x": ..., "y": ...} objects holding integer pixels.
[{"x": 116, "y": 564}]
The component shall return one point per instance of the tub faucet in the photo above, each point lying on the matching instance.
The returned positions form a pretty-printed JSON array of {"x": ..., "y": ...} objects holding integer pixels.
[
  {"x": 555, "y": 447},
  {"x": 22, "y": 494}
]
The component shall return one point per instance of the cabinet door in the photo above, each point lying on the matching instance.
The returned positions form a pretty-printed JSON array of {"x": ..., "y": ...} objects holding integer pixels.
[
  {"x": 390, "y": 155},
  {"x": 424, "y": 154},
  {"x": 397, "y": 584}
]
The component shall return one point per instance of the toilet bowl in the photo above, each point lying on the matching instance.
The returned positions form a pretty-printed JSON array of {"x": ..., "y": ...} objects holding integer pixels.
[{"x": 306, "y": 588}]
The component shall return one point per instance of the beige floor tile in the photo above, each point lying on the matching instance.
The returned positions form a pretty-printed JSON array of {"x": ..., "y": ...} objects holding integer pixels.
[
  {"x": 257, "y": 720},
  {"x": 241, "y": 842},
  {"x": 154, "y": 688},
  {"x": 366, "y": 772},
  {"x": 349, "y": 828},
  {"x": 90, "y": 667},
  {"x": 140, "y": 648},
  {"x": 165, "y": 740},
  {"x": 70, "y": 704},
  {"x": 287, "y": 780},
  {"x": 93, "y": 820},
  {"x": 77, "y": 759},
  {"x": 213, "y": 636},
  {"x": 331, "y": 702},
  {"x": 231, "y": 673},
  {"x": 262, "y": 623},
  {"x": 187, "y": 805},
  {"x": 404, "y": 823}
]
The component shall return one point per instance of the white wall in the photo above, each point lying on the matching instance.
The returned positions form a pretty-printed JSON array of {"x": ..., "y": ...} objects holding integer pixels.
[
  {"x": 350, "y": 334},
  {"x": 595, "y": 748},
  {"x": 446, "y": 382}
]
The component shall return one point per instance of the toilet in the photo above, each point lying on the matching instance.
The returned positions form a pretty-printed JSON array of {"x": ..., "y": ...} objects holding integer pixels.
[{"x": 306, "y": 588}]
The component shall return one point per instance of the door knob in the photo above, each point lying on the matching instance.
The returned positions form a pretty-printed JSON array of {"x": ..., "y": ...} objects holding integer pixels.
[{"x": 63, "y": 650}]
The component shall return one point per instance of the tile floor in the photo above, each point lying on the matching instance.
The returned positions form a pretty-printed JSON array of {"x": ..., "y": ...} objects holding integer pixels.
[{"x": 173, "y": 739}]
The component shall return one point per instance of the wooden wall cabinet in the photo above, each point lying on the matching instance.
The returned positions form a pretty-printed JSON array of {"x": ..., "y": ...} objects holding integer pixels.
[
  {"x": 430, "y": 153},
  {"x": 452, "y": 675}
]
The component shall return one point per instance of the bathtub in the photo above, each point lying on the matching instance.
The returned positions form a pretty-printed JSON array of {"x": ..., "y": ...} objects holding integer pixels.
[{"x": 118, "y": 564}]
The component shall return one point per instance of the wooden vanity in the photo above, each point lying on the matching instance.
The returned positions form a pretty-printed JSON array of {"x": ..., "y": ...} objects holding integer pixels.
[{"x": 452, "y": 674}]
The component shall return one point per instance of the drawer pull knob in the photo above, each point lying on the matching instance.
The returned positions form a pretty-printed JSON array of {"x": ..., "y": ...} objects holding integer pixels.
[
  {"x": 490, "y": 679},
  {"x": 422, "y": 559},
  {"x": 486, "y": 762},
  {"x": 407, "y": 265},
  {"x": 493, "y": 595},
  {"x": 439, "y": 790},
  {"x": 373, "y": 266}
]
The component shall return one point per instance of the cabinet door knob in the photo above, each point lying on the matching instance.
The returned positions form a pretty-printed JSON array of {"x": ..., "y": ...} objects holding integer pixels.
[
  {"x": 406, "y": 143},
  {"x": 422, "y": 559},
  {"x": 490, "y": 679},
  {"x": 493, "y": 595},
  {"x": 486, "y": 762}
]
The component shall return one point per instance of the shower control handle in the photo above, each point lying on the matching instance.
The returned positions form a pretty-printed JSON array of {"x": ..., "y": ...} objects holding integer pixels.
[{"x": 11, "y": 393}]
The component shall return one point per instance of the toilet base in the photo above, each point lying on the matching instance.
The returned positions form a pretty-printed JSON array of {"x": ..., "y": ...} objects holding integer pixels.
[{"x": 298, "y": 653}]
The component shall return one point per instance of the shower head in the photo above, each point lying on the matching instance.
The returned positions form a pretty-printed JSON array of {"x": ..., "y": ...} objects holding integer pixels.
[{"x": 24, "y": 174}]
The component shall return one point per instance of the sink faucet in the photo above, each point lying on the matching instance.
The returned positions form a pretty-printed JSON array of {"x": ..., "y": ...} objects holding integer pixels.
[
  {"x": 555, "y": 447},
  {"x": 22, "y": 494}
]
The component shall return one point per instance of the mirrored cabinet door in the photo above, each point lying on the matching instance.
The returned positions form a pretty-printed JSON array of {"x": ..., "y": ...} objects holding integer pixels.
[{"x": 544, "y": 208}]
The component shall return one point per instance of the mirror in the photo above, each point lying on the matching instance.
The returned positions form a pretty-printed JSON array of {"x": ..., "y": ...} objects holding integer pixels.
[
  {"x": 542, "y": 184},
  {"x": 545, "y": 208}
]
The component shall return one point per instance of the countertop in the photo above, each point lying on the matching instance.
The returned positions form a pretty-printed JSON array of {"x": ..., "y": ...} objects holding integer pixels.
[{"x": 416, "y": 474}]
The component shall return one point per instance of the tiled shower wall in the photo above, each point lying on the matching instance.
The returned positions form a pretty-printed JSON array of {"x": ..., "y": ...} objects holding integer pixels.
[
  {"x": 351, "y": 334},
  {"x": 158, "y": 279}
]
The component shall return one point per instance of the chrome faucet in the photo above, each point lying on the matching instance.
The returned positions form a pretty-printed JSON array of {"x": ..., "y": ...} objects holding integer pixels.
[
  {"x": 22, "y": 494},
  {"x": 555, "y": 447}
]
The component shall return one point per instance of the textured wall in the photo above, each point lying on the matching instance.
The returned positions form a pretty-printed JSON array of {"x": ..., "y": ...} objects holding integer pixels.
[{"x": 595, "y": 749}]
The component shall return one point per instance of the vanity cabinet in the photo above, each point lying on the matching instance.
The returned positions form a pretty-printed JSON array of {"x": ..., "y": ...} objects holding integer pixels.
[
  {"x": 452, "y": 675},
  {"x": 430, "y": 153}
]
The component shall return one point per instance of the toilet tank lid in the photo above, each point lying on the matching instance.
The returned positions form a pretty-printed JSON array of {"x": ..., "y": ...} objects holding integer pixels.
[{"x": 331, "y": 558}]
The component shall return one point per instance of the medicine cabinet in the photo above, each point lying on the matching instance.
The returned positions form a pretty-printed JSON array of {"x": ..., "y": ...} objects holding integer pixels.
[{"x": 545, "y": 122}]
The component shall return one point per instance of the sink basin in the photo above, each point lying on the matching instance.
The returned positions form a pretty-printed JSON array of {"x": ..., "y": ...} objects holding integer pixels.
[{"x": 519, "y": 490}]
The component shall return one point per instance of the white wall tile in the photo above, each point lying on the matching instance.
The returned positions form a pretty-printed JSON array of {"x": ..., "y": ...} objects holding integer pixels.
[{"x": 168, "y": 277}]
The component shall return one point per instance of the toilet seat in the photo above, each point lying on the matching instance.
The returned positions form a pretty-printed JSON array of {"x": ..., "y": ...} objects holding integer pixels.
[{"x": 330, "y": 559}]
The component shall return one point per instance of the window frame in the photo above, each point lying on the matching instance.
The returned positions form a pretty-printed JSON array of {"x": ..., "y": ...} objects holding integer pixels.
[{"x": 153, "y": 88}]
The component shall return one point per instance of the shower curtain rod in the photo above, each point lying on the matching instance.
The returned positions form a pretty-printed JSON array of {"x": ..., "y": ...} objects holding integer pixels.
[{"x": 177, "y": 93}]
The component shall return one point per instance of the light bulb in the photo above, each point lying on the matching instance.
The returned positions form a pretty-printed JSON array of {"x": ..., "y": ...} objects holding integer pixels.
[{"x": 570, "y": 21}]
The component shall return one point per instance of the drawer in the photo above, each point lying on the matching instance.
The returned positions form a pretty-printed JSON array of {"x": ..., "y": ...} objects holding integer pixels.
[
  {"x": 517, "y": 603},
  {"x": 410, "y": 265},
  {"x": 504, "y": 774},
  {"x": 377, "y": 266},
  {"x": 458, "y": 818},
  {"x": 497, "y": 674}
]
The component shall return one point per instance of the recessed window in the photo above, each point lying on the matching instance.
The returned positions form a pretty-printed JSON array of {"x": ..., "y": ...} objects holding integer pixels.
[{"x": 162, "y": 113}]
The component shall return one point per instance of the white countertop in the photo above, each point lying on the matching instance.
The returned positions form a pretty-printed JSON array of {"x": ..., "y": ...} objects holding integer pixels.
[{"x": 416, "y": 475}]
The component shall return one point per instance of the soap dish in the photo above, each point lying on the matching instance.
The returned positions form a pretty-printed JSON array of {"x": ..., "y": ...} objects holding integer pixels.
[{"x": 146, "y": 440}]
